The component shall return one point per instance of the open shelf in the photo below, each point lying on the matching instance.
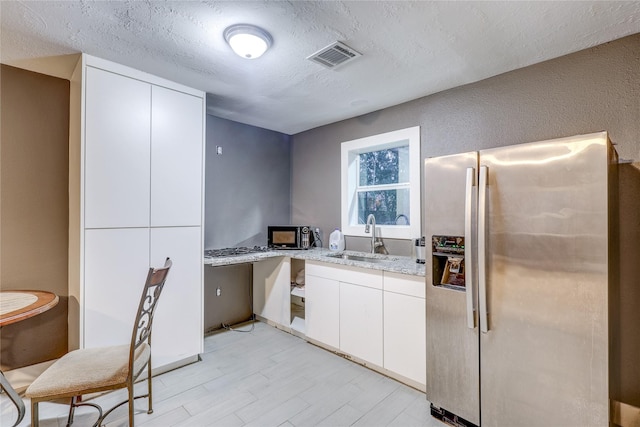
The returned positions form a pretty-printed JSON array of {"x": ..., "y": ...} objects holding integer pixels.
[
  {"x": 298, "y": 324},
  {"x": 297, "y": 291}
]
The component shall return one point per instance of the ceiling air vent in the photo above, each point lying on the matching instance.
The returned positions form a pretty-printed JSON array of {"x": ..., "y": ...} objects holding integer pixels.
[{"x": 333, "y": 55}]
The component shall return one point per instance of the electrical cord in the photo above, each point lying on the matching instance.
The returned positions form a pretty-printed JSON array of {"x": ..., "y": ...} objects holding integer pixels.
[{"x": 253, "y": 325}]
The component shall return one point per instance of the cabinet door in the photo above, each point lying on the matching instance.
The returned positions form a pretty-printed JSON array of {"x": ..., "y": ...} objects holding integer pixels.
[
  {"x": 178, "y": 325},
  {"x": 405, "y": 336},
  {"x": 271, "y": 290},
  {"x": 322, "y": 310},
  {"x": 361, "y": 322},
  {"x": 176, "y": 158},
  {"x": 116, "y": 267},
  {"x": 117, "y": 150}
]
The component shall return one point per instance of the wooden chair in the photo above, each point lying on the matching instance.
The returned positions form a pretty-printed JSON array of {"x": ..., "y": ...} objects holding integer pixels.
[{"x": 94, "y": 370}]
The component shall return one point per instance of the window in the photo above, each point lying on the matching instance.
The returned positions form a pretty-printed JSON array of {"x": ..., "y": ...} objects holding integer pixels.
[{"x": 381, "y": 176}]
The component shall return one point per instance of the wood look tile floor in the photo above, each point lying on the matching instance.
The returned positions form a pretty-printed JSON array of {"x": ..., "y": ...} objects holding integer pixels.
[{"x": 265, "y": 377}]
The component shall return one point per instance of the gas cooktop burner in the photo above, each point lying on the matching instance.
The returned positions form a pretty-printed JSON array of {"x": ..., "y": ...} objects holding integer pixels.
[{"x": 218, "y": 253}]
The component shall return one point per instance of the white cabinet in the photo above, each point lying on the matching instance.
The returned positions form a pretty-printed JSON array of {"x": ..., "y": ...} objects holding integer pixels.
[
  {"x": 117, "y": 149},
  {"x": 115, "y": 272},
  {"x": 361, "y": 322},
  {"x": 177, "y": 324},
  {"x": 405, "y": 326},
  {"x": 176, "y": 158},
  {"x": 271, "y": 290},
  {"x": 322, "y": 308},
  {"x": 136, "y": 162},
  {"x": 350, "y": 306},
  {"x": 378, "y": 318},
  {"x": 116, "y": 262},
  {"x": 143, "y": 153}
]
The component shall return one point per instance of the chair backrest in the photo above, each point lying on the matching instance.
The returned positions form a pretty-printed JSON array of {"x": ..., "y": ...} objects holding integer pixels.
[{"x": 148, "y": 301}]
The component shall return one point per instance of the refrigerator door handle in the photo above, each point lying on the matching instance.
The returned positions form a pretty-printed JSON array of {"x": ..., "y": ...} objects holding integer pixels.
[
  {"x": 468, "y": 248},
  {"x": 482, "y": 248}
]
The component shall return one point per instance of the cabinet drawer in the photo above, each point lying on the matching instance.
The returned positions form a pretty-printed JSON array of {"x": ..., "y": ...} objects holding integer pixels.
[
  {"x": 347, "y": 274},
  {"x": 404, "y": 284}
]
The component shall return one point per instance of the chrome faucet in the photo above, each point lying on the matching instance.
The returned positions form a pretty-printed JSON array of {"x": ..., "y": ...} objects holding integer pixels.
[{"x": 375, "y": 242}]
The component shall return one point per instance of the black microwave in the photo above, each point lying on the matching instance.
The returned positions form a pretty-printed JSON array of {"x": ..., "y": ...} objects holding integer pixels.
[{"x": 289, "y": 237}]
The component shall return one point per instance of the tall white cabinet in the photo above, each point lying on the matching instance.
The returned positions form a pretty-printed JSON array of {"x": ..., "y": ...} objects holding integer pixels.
[{"x": 137, "y": 167}]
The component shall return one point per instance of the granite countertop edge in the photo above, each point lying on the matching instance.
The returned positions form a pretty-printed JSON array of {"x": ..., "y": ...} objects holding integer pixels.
[{"x": 395, "y": 264}]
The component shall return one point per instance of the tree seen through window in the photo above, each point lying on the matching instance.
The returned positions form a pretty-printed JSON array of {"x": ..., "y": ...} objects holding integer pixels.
[{"x": 383, "y": 186}]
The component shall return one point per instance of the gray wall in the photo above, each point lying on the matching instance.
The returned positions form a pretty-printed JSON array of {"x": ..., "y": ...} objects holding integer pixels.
[
  {"x": 592, "y": 90},
  {"x": 588, "y": 91},
  {"x": 247, "y": 187},
  {"x": 234, "y": 303}
]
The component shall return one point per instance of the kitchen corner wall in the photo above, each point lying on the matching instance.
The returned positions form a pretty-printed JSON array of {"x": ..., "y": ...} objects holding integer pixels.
[
  {"x": 588, "y": 91},
  {"x": 34, "y": 209},
  {"x": 247, "y": 186}
]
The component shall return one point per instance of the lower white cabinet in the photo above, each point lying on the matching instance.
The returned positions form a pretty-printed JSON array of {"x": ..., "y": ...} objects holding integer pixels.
[
  {"x": 405, "y": 326},
  {"x": 361, "y": 322},
  {"x": 376, "y": 317},
  {"x": 404, "y": 336},
  {"x": 178, "y": 327},
  {"x": 322, "y": 310},
  {"x": 116, "y": 267},
  {"x": 116, "y": 263},
  {"x": 271, "y": 290},
  {"x": 344, "y": 309}
]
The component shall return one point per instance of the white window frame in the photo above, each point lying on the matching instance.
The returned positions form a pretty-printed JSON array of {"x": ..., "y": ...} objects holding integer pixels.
[{"x": 350, "y": 151}]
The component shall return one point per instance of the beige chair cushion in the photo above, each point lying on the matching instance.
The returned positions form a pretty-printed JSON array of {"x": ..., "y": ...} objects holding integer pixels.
[{"x": 87, "y": 369}]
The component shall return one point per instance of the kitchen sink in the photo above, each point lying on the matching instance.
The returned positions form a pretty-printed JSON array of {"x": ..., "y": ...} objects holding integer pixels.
[{"x": 361, "y": 258}]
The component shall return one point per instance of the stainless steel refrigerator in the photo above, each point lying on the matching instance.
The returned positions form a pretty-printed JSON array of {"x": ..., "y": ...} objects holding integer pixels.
[{"x": 518, "y": 281}]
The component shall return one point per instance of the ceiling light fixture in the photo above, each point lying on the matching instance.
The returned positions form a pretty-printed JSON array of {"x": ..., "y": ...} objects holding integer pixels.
[{"x": 248, "y": 41}]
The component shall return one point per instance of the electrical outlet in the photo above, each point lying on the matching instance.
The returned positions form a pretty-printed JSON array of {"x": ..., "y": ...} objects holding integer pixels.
[{"x": 218, "y": 291}]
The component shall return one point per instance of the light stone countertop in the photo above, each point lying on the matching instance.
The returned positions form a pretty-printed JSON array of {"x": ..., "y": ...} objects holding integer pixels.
[{"x": 391, "y": 263}]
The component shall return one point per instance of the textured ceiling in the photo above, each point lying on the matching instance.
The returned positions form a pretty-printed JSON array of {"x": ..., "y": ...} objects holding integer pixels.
[{"x": 410, "y": 48}]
